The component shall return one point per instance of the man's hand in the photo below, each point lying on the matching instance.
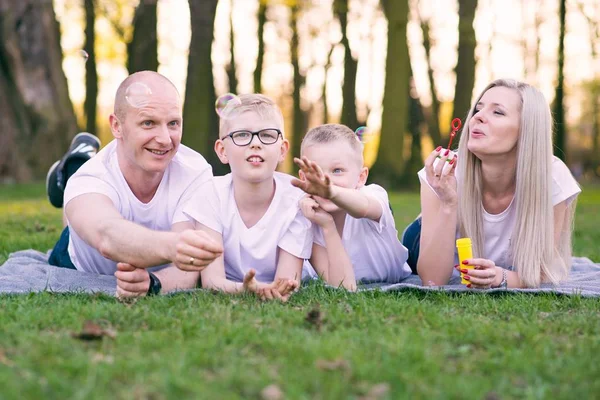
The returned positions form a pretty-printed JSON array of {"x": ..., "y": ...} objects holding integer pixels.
[
  {"x": 195, "y": 250},
  {"x": 314, "y": 213},
  {"x": 314, "y": 181},
  {"x": 131, "y": 281}
]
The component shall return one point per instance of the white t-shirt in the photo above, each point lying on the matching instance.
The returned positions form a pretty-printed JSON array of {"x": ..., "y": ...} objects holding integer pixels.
[
  {"x": 373, "y": 247},
  {"x": 282, "y": 225},
  {"x": 102, "y": 175},
  {"x": 498, "y": 228}
]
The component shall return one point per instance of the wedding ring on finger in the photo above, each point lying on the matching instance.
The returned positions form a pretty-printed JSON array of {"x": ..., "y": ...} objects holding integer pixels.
[{"x": 192, "y": 259}]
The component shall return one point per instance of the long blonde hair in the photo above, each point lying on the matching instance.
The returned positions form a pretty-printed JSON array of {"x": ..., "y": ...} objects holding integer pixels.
[{"x": 535, "y": 256}]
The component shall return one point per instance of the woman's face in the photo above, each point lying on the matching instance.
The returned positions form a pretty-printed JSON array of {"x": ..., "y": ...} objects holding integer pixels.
[{"x": 494, "y": 126}]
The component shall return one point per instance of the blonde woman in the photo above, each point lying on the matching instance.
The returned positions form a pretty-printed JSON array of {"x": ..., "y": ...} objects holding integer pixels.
[{"x": 504, "y": 190}]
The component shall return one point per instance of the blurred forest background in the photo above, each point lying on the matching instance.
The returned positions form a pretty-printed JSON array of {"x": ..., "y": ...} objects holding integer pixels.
[{"x": 403, "y": 68}]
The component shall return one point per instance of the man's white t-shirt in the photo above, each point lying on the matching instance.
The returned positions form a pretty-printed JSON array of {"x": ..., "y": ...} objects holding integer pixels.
[
  {"x": 102, "y": 174},
  {"x": 498, "y": 228},
  {"x": 282, "y": 226},
  {"x": 373, "y": 247}
]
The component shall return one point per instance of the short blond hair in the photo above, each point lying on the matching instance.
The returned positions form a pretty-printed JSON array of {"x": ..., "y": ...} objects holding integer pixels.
[
  {"x": 329, "y": 133},
  {"x": 257, "y": 103}
]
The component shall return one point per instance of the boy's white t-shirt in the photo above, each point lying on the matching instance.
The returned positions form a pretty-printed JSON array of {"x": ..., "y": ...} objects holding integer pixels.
[
  {"x": 498, "y": 228},
  {"x": 373, "y": 247},
  {"x": 282, "y": 226},
  {"x": 102, "y": 174}
]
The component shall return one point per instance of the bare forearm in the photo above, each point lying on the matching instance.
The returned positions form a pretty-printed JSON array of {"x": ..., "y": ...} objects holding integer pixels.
[
  {"x": 340, "y": 270},
  {"x": 436, "y": 253},
  {"x": 222, "y": 285},
  {"x": 356, "y": 203},
  {"x": 124, "y": 241},
  {"x": 172, "y": 278}
]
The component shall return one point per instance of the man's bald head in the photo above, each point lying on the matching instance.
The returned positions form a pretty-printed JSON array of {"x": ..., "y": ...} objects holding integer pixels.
[{"x": 155, "y": 83}]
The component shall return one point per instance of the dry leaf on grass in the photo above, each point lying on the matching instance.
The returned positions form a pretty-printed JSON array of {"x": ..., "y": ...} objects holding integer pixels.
[
  {"x": 5, "y": 360},
  {"x": 93, "y": 331},
  {"x": 315, "y": 318},
  {"x": 332, "y": 365},
  {"x": 377, "y": 391},
  {"x": 271, "y": 392}
]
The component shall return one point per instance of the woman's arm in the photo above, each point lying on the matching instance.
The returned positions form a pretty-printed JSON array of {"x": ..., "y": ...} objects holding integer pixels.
[{"x": 439, "y": 217}]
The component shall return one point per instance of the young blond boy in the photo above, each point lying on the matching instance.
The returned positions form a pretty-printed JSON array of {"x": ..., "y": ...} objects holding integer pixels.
[
  {"x": 355, "y": 238},
  {"x": 253, "y": 211}
]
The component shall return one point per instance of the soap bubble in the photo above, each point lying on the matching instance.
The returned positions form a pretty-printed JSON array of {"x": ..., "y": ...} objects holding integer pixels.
[
  {"x": 226, "y": 104},
  {"x": 138, "y": 95},
  {"x": 364, "y": 134}
]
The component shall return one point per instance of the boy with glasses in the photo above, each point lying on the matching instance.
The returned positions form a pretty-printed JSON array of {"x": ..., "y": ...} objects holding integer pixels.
[{"x": 253, "y": 211}]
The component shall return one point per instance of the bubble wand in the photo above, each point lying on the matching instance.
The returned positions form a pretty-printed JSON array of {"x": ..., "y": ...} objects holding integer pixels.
[{"x": 456, "y": 124}]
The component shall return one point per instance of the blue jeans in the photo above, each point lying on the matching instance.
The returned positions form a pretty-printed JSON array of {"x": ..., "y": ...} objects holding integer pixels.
[
  {"x": 59, "y": 256},
  {"x": 411, "y": 239}
]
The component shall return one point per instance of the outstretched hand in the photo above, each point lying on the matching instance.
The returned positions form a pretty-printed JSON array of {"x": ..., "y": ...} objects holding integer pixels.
[{"x": 314, "y": 181}]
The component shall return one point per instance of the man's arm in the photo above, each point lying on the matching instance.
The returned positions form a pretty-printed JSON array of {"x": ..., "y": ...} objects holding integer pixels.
[
  {"x": 124, "y": 241},
  {"x": 96, "y": 220}
]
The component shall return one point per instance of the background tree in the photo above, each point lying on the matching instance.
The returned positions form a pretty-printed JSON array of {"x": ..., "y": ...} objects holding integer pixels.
[
  {"x": 262, "y": 19},
  {"x": 201, "y": 123},
  {"x": 35, "y": 109},
  {"x": 389, "y": 166},
  {"x": 465, "y": 66},
  {"x": 230, "y": 68},
  {"x": 142, "y": 49},
  {"x": 299, "y": 123},
  {"x": 348, "y": 117},
  {"x": 560, "y": 141},
  {"x": 91, "y": 75}
]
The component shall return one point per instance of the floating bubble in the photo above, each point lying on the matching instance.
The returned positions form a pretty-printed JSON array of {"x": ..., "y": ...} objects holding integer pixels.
[
  {"x": 138, "y": 95},
  {"x": 226, "y": 104},
  {"x": 83, "y": 54},
  {"x": 364, "y": 134}
]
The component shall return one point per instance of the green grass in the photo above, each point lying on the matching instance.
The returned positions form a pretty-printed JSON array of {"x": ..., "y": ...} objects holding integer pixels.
[{"x": 370, "y": 345}]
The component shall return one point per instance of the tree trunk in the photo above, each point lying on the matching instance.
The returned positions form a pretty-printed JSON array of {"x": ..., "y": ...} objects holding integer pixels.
[
  {"x": 298, "y": 125},
  {"x": 262, "y": 19},
  {"x": 35, "y": 109},
  {"x": 231, "y": 70},
  {"x": 324, "y": 92},
  {"x": 91, "y": 75},
  {"x": 142, "y": 50},
  {"x": 415, "y": 119},
  {"x": 350, "y": 68},
  {"x": 465, "y": 67},
  {"x": 389, "y": 166},
  {"x": 200, "y": 120},
  {"x": 433, "y": 120},
  {"x": 560, "y": 143}
]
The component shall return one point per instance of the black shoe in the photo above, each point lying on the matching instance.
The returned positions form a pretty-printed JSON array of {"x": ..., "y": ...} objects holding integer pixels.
[{"x": 83, "y": 147}]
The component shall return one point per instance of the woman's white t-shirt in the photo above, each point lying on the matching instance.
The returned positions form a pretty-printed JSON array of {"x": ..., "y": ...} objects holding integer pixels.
[
  {"x": 102, "y": 174},
  {"x": 498, "y": 228},
  {"x": 282, "y": 226},
  {"x": 373, "y": 247}
]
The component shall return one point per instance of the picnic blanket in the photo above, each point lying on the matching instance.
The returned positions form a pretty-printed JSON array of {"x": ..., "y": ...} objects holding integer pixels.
[{"x": 28, "y": 271}]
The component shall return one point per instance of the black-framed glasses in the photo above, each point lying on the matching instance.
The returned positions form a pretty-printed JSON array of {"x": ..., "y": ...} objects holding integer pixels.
[{"x": 244, "y": 138}]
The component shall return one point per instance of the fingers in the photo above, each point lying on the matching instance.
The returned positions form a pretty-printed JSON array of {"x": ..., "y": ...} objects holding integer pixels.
[
  {"x": 249, "y": 276},
  {"x": 430, "y": 160},
  {"x": 132, "y": 283},
  {"x": 201, "y": 240},
  {"x": 479, "y": 262},
  {"x": 125, "y": 267}
]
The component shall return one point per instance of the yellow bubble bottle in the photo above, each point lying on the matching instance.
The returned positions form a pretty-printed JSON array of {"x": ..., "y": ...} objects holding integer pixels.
[{"x": 465, "y": 252}]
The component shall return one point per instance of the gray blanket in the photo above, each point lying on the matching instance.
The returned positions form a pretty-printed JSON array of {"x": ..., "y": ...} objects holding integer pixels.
[{"x": 28, "y": 271}]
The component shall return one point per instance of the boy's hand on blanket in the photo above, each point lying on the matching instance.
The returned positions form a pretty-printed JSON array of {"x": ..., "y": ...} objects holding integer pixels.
[
  {"x": 312, "y": 179},
  {"x": 195, "y": 250},
  {"x": 314, "y": 213},
  {"x": 281, "y": 289},
  {"x": 131, "y": 281},
  {"x": 482, "y": 273}
]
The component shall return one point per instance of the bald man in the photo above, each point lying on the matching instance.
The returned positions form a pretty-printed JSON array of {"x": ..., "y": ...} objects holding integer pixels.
[{"x": 119, "y": 205}]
